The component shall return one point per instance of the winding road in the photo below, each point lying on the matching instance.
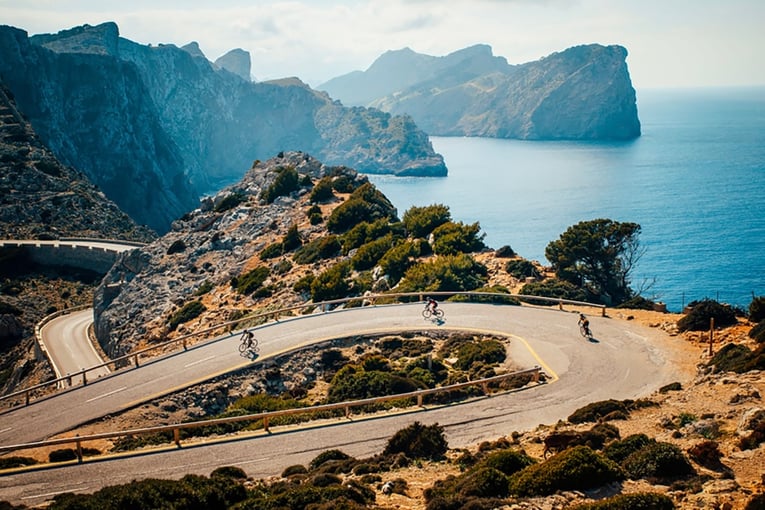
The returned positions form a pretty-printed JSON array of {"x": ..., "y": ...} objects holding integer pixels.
[{"x": 623, "y": 361}]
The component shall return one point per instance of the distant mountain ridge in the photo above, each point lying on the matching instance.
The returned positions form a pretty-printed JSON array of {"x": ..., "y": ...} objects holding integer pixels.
[
  {"x": 157, "y": 126},
  {"x": 582, "y": 93}
]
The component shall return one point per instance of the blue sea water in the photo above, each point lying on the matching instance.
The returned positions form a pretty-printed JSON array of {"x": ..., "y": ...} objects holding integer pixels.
[{"x": 694, "y": 181}]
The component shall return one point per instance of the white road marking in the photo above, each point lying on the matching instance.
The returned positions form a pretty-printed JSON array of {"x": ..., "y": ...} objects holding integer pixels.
[
  {"x": 208, "y": 358},
  {"x": 6, "y": 430},
  {"x": 46, "y": 495},
  {"x": 250, "y": 461},
  {"x": 106, "y": 394}
]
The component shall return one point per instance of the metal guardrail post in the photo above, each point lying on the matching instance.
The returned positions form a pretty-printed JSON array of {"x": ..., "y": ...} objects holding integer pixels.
[
  {"x": 177, "y": 437},
  {"x": 265, "y": 423},
  {"x": 419, "y": 400},
  {"x": 84, "y": 378},
  {"x": 78, "y": 449},
  {"x": 135, "y": 361}
]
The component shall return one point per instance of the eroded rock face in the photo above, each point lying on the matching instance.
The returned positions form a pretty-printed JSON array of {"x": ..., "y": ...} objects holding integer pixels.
[{"x": 236, "y": 61}]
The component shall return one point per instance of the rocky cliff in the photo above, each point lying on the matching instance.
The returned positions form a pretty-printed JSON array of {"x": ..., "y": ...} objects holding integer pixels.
[
  {"x": 155, "y": 126},
  {"x": 582, "y": 93},
  {"x": 42, "y": 198}
]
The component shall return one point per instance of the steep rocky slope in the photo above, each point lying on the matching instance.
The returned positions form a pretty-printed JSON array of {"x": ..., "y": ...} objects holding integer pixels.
[
  {"x": 40, "y": 198},
  {"x": 582, "y": 93},
  {"x": 156, "y": 126}
]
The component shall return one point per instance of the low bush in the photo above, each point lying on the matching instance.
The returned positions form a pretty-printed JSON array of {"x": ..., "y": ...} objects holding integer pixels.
[
  {"x": 597, "y": 410},
  {"x": 520, "y": 269},
  {"x": 230, "y": 201},
  {"x": 757, "y": 309},
  {"x": 699, "y": 318},
  {"x": 252, "y": 280},
  {"x": 635, "y": 501},
  {"x": 487, "y": 351},
  {"x": 331, "y": 283},
  {"x": 421, "y": 221},
  {"x": 619, "y": 450},
  {"x": 14, "y": 462},
  {"x": 271, "y": 251},
  {"x": 453, "y": 238},
  {"x": 579, "y": 468},
  {"x": 327, "y": 456},
  {"x": 738, "y": 358},
  {"x": 450, "y": 272},
  {"x": 483, "y": 482},
  {"x": 758, "y": 332},
  {"x": 190, "y": 311},
  {"x": 324, "y": 247},
  {"x": 553, "y": 288},
  {"x": 62, "y": 455},
  {"x": 322, "y": 190},
  {"x": 418, "y": 441},
  {"x": 637, "y": 303},
  {"x": 508, "y": 461},
  {"x": 285, "y": 183},
  {"x": 658, "y": 460}
]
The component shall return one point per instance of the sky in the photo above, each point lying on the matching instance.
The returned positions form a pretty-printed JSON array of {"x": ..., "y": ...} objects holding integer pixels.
[{"x": 671, "y": 43}]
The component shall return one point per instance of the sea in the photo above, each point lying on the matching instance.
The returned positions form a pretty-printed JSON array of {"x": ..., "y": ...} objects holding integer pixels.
[{"x": 694, "y": 181}]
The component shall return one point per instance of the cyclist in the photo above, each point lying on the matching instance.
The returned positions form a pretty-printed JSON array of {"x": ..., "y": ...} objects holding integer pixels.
[
  {"x": 248, "y": 338},
  {"x": 432, "y": 304},
  {"x": 584, "y": 322}
]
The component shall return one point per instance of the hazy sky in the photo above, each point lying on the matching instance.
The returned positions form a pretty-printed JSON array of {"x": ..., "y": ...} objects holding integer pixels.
[{"x": 671, "y": 43}]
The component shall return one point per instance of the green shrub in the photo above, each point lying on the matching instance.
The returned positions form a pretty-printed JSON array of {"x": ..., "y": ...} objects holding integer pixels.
[
  {"x": 252, "y": 280},
  {"x": 758, "y": 332},
  {"x": 324, "y": 247},
  {"x": 366, "y": 203},
  {"x": 619, "y": 450},
  {"x": 553, "y": 288},
  {"x": 637, "y": 303},
  {"x": 327, "y": 456},
  {"x": 507, "y": 461},
  {"x": 304, "y": 283},
  {"x": 62, "y": 455},
  {"x": 634, "y": 501},
  {"x": 484, "y": 482},
  {"x": 597, "y": 410},
  {"x": 451, "y": 272},
  {"x": 331, "y": 284},
  {"x": 15, "y": 461},
  {"x": 699, "y": 318},
  {"x": 365, "y": 232},
  {"x": 658, "y": 460},
  {"x": 577, "y": 468},
  {"x": 487, "y": 351},
  {"x": 291, "y": 239},
  {"x": 504, "y": 252},
  {"x": 738, "y": 358},
  {"x": 190, "y": 311},
  {"x": 325, "y": 480},
  {"x": 421, "y": 221},
  {"x": 230, "y": 472},
  {"x": 520, "y": 268},
  {"x": 230, "y": 201},
  {"x": 418, "y": 441},
  {"x": 322, "y": 191},
  {"x": 398, "y": 259},
  {"x": 452, "y": 238},
  {"x": 286, "y": 182},
  {"x": 177, "y": 246},
  {"x": 367, "y": 256},
  {"x": 355, "y": 385},
  {"x": 271, "y": 251},
  {"x": 757, "y": 309}
]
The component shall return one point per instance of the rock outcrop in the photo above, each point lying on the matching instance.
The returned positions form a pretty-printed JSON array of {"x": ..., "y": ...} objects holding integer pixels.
[
  {"x": 156, "y": 126},
  {"x": 209, "y": 246},
  {"x": 236, "y": 61},
  {"x": 582, "y": 93}
]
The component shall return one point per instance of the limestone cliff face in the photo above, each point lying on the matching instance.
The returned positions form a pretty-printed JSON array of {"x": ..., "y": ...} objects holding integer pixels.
[
  {"x": 156, "y": 126},
  {"x": 582, "y": 93},
  {"x": 41, "y": 198},
  {"x": 92, "y": 111}
]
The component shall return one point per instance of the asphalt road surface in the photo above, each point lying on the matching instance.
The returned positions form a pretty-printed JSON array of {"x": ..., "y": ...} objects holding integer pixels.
[
  {"x": 66, "y": 340},
  {"x": 622, "y": 361}
]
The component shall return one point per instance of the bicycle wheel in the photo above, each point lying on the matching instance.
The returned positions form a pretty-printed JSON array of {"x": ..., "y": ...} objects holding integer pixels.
[
  {"x": 439, "y": 313},
  {"x": 583, "y": 331},
  {"x": 426, "y": 313},
  {"x": 254, "y": 345},
  {"x": 242, "y": 347}
]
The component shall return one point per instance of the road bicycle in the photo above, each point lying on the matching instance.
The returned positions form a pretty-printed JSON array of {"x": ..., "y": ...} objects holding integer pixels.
[
  {"x": 585, "y": 331},
  {"x": 428, "y": 313},
  {"x": 248, "y": 342}
]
